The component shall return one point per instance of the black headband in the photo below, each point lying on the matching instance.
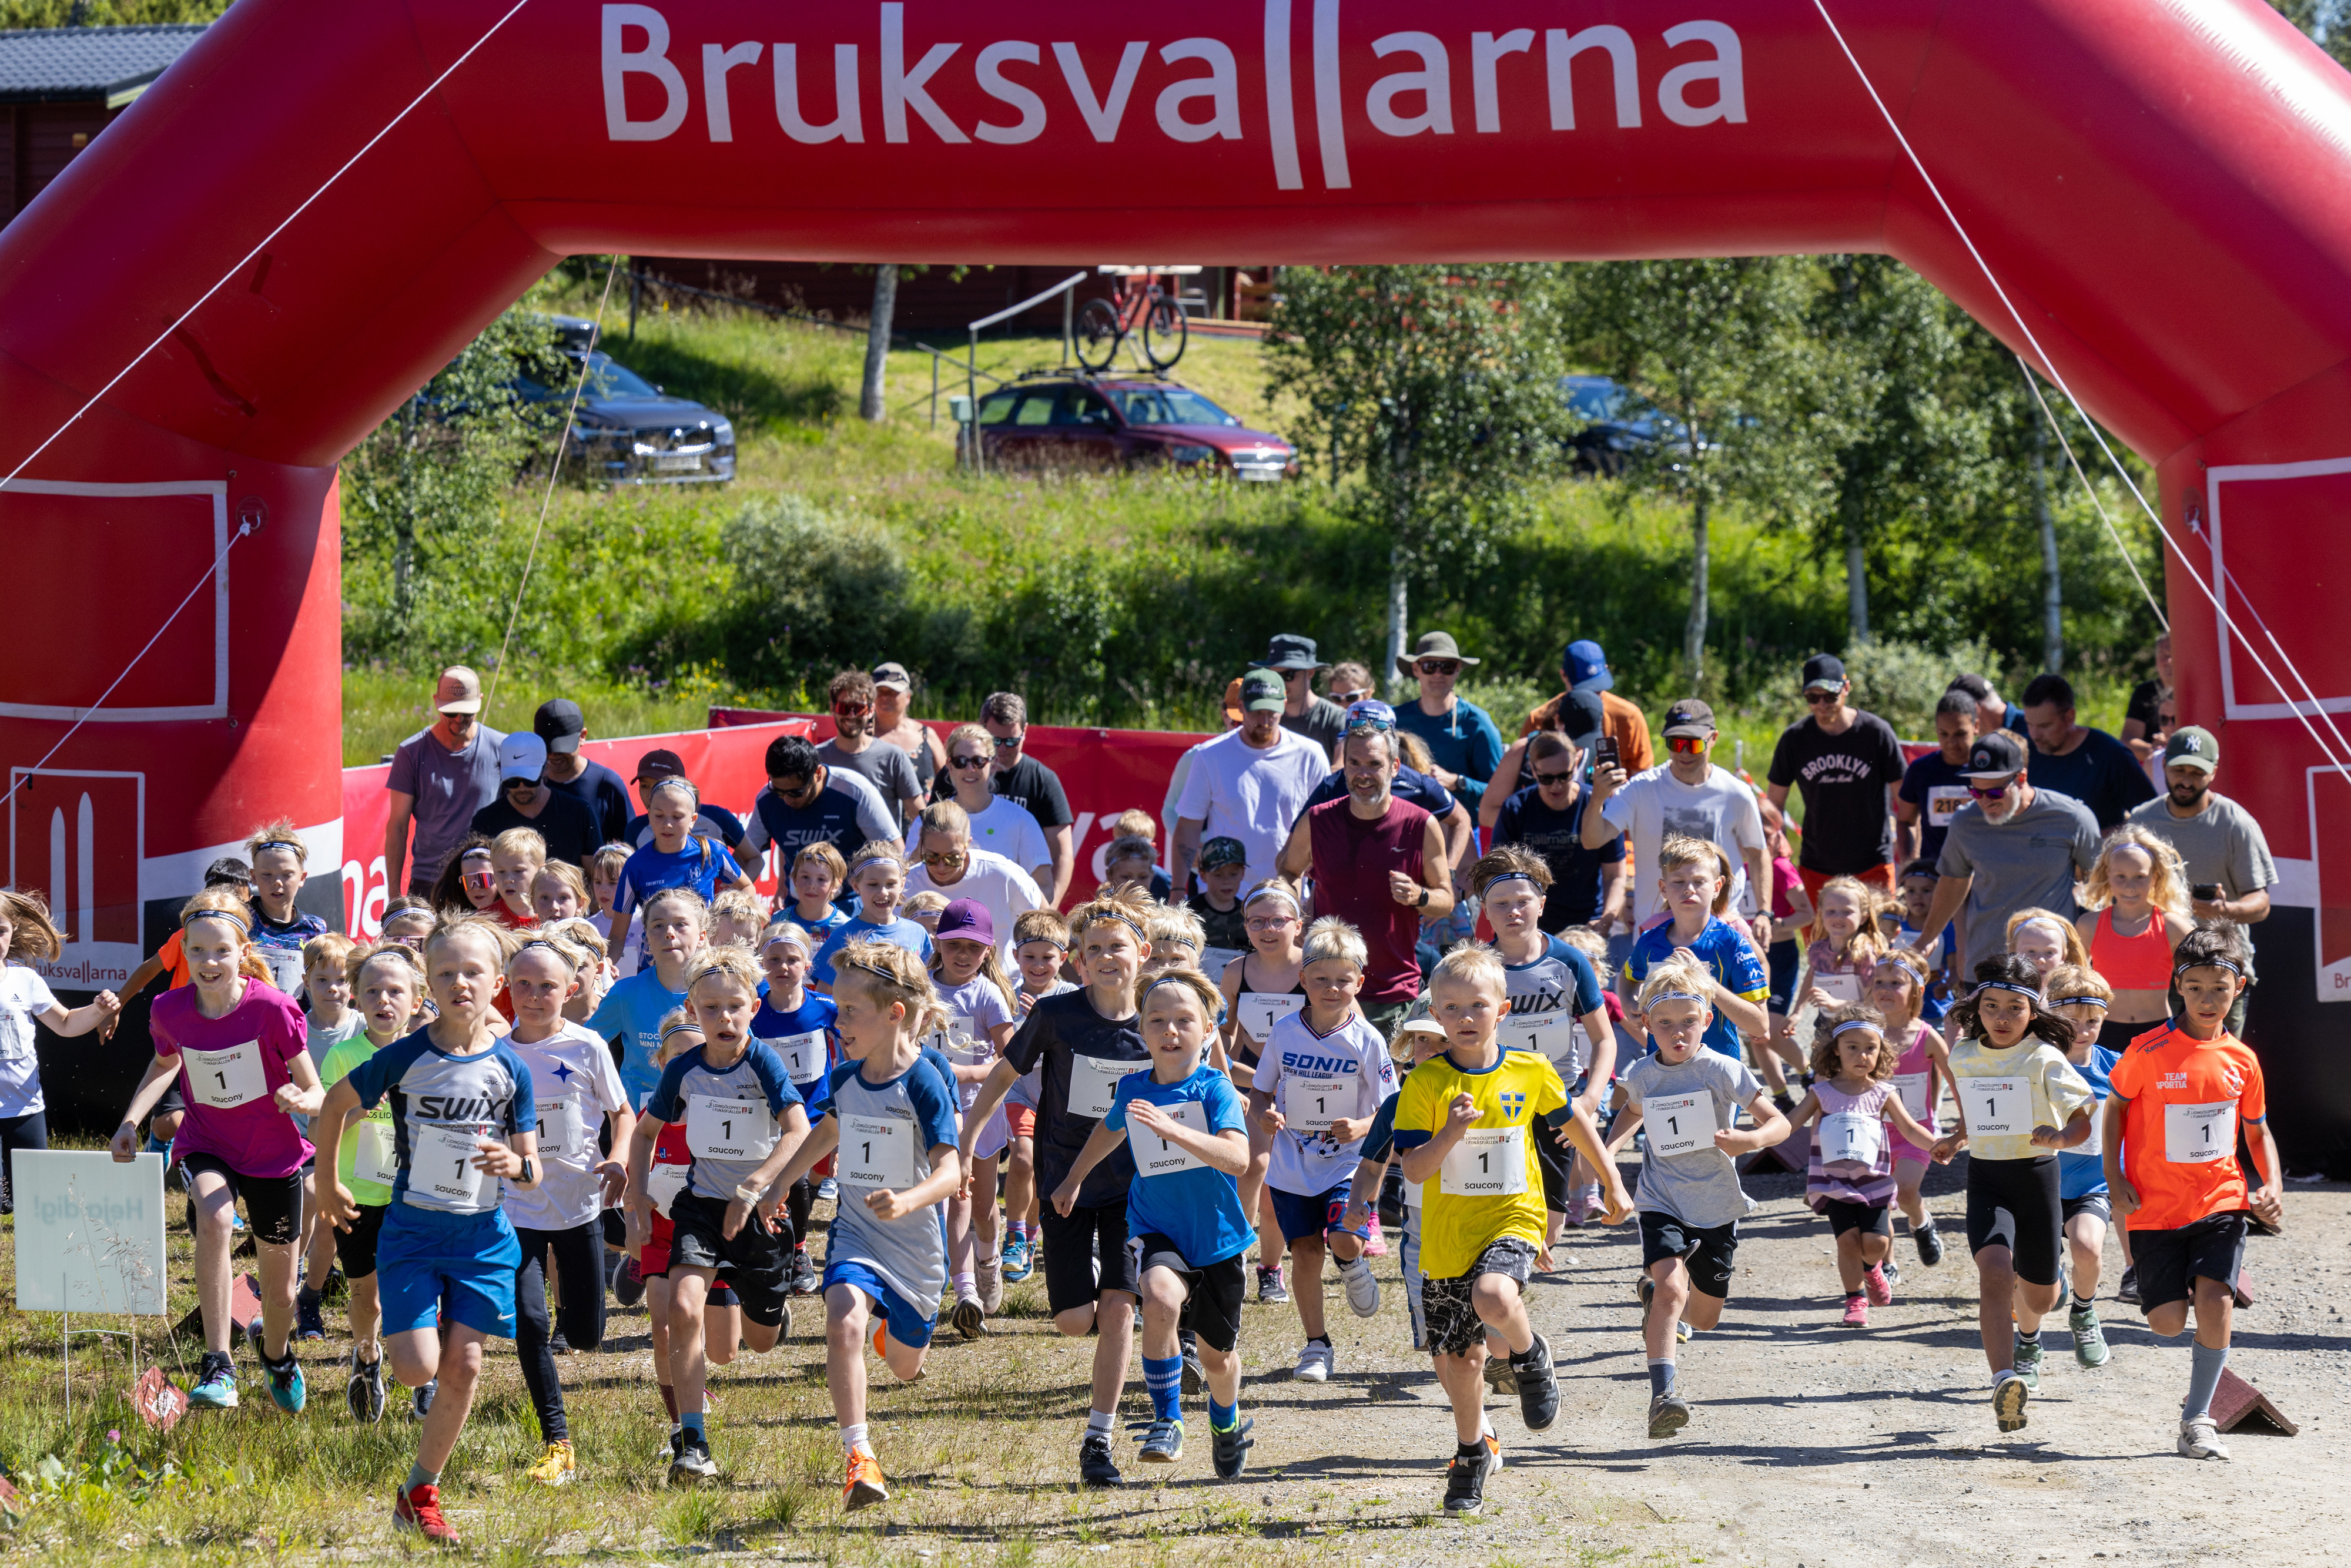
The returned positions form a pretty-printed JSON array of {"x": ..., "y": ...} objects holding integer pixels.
[{"x": 230, "y": 916}]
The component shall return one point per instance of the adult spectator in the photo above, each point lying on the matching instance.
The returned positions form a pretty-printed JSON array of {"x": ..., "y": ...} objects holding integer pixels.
[
  {"x": 714, "y": 822},
  {"x": 1349, "y": 682},
  {"x": 804, "y": 802},
  {"x": 526, "y": 802},
  {"x": 1935, "y": 787},
  {"x": 1248, "y": 785},
  {"x": 2221, "y": 848},
  {"x": 995, "y": 823},
  {"x": 1992, "y": 711},
  {"x": 1848, "y": 764},
  {"x": 1460, "y": 736},
  {"x": 854, "y": 747},
  {"x": 1410, "y": 784},
  {"x": 563, "y": 727},
  {"x": 1584, "y": 668},
  {"x": 946, "y": 860},
  {"x": 1319, "y": 719},
  {"x": 440, "y": 776},
  {"x": 2013, "y": 846},
  {"x": 1587, "y": 886},
  {"x": 1378, "y": 864},
  {"x": 2074, "y": 760},
  {"x": 894, "y": 721},
  {"x": 2143, "y": 729},
  {"x": 1689, "y": 796},
  {"x": 1005, "y": 717}
]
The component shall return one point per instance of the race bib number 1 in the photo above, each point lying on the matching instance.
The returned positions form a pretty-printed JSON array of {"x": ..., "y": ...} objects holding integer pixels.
[
  {"x": 719, "y": 1129},
  {"x": 1852, "y": 1138},
  {"x": 1310, "y": 1104},
  {"x": 877, "y": 1151},
  {"x": 560, "y": 1135},
  {"x": 1677, "y": 1124},
  {"x": 373, "y": 1158},
  {"x": 1154, "y": 1155},
  {"x": 2195, "y": 1134},
  {"x": 1996, "y": 1107},
  {"x": 223, "y": 1079},
  {"x": 1914, "y": 1087},
  {"x": 1488, "y": 1162},
  {"x": 1093, "y": 1082},
  {"x": 1260, "y": 1010},
  {"x": 803, "y": 1056},
  {"x": 440, "y": 1164}
]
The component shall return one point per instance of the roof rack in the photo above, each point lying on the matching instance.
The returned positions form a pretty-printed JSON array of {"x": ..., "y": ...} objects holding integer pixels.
[{"x": 1080, "y": 373}]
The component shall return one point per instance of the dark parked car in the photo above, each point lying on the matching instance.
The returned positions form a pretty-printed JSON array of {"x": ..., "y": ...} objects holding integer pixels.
[
  {"x": 1060, "y": 419},
  {"x": 1618, "y": 424},
  {"x": 627, "y": 430}
]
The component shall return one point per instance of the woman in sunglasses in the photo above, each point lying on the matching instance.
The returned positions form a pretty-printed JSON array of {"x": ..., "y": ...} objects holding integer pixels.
[{"x": 997, "y": 823}]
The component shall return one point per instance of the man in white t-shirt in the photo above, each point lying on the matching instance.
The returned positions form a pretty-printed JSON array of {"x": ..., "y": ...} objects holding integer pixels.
[
  {"x": 946, "y": 860},
  {"x": 1690, "y": 796},
  {"x": 1248, "y": 785},
  {"x": 992, "y": 821}
]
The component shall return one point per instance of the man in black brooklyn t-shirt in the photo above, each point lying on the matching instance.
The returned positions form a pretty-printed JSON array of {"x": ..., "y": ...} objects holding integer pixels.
[{"x": 1848, "y": 765}]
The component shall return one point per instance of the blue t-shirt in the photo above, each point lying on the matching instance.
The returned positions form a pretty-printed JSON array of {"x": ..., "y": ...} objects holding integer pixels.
[
  {"x": 1463, "y": 741},
  {"x": 803, "y": 1037},
  {"x": 1198, "y": 1209},
  {"x": 700, "y": 866},
  {"x": 2080, "y": 1174},
  {"x": 835, "y": 917},
  {"x": 908, "y": 934},
  {"x": 909, "y": 1252},
  {"x": 631, "y": 1011},
  {"x": 1410, "y": 784},
  {"x": 1728, "y": 956},
  {"x": 441, "y": 1104}
]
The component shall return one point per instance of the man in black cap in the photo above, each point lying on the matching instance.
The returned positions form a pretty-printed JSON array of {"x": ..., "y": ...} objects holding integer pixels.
[
  {"x": 1318, "y": 718},
  {"x": 1587, "y": 886},
  {"x": 560, "y": 723},
  {"x": 2012, "y": 847},
  {"x": 714, "y": 822},
  {"x": 1848, "y": 764}
]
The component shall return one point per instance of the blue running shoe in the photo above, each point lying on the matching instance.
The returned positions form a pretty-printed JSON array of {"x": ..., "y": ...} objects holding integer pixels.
[
  {"x": 215, "y": 1387},
  {"x": 1016, "y": 1263}
]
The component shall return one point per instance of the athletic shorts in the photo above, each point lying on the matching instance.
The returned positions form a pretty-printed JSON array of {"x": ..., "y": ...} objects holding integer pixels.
[
  {"x": 1450, "y": 1306},
  {"x": 273, "y": 1204},
  {"x": 1707, "y": 1251},
  {"x": 2013, "y": 1204},
  {"x": 906, "y": 1325},
  {"x": 1844, "y": 1215},
  {"x": 1086, "y": 1254},
  {"x": 1786, "y": 961},
  {"x": 1213, "y": 1291},
  {"x": 2092, "y": 1203},
  {"x": 430, "y": 1264},
  {"x": 652, "y": 1263},
  {"x": 1557, "y": 1162},
  {"x": 758, "y": 1262},
  {"x": 1301, "y": 1215},
  {"x": 355, "y": 1248},
  {"x": 2169, "y": 1262}
]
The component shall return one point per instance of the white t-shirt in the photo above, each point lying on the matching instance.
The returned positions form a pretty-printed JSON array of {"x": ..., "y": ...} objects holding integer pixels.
[
  {"x": 23, "y": 996},
  {"x": 1310, "y": 1076},
  {"x": 577, "y": 1086},
  {"x": 1007, "y": 827},
  {"x": 1239, "y": 791},
  {"x": 1722, "y": 810},
  {"x": 1006, "y": 889}
]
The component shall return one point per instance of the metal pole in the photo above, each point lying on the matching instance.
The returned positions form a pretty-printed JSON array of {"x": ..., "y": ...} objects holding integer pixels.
[
  {"x": 971, "y": 390},
  {"x": 1069, "y": 329},
  {"x": 935, "y": 388}
]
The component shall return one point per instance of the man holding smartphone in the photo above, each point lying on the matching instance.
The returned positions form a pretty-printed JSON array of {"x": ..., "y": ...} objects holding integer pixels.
[{"x": 1690, "y": 796}]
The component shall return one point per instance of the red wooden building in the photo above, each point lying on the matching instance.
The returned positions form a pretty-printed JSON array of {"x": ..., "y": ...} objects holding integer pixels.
[{"x": 59, "y": 87}]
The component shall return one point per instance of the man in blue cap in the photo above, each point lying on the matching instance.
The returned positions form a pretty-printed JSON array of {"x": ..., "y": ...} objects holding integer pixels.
[{"x": 1584, "y": 668}]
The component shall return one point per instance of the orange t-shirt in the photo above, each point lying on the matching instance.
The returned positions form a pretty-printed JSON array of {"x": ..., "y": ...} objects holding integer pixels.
[
  {"x": 174, "y": 955},
  {"x": 2186, "y": 1100}
]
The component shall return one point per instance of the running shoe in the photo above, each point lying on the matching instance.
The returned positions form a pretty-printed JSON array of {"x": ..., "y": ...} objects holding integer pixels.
[
  {"x": 2008, "y": 1401},
  {"x": 420, "y": 1404},
  {"x": 991, "y": 1275},
  {"x": 828, "y": 1190},
  {"x": 1095, "y": 1467},
  {"x": 1016, "y": 1257},
  {"x": 1668, "y": 1414},
  {"x": 968, "y": 1318},
  {"x": 1493, "y": 1451},
  {"x": 2200, "y": 1440},
  {"x": 2028, "y": 1361},
  {"x": 418, "y": 1509},
  {"x": 1930, "y": 1243},
  {"x": 1879, "y": 1288},
  {"x": 557, "y": 1345},
  {"x": 215, "y": 1387},
  {"x": 1891, "y": 1270},
  {"x": 285, "y": 1385},
  {"x": 2089, "y": 1337},
  {"x": 692, "y": 1465},
  {"x": 1465, "y": 1483},
  {"x": 1270, "y": 1291},
  {"x": 1163, "y": 1444},
  {"x": 2127, "y": 1291},
  {"x": 1315, "y": 1363},
  {"x": 310, "y": 1320},
  {"x": 804, "y": 1280},
  {"x": 1195, "y": 1376},
  {"x": 628, "y": 1284},
  {"x": 1362, "y": 1289},
  {"x": 555, "y": 1467},
  {"x": 1646, "y": 1288},
  {"x": 365, "y": 1391},
  {"x": 1230, "y": 1447},
  {"x": 1856, "y": 1311},
  {"x": 864, "y": 1483},
  {"x": 1374, "y": 1244},
  {"x": 1538, "y": 1386},
  {"x": 1499, "y": 1378}
]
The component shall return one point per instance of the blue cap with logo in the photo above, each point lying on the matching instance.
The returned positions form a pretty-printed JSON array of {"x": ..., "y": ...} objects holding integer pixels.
[{"x": 1586, "y": 667}]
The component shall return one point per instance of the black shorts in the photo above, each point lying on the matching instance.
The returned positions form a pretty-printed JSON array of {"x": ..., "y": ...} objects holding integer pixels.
[
  {"x": 1086, "y": 1254},
  {"x": 2013, "y": 1204},
  {"x": 174, "y": 1103},
  {"x": 355, "y": 1248},
  {"x": 2116, "y": 1037},
  {"x": 1869, "y": 1219},
  {"x": 273, "y": 1204},
  {"x": 1786, "y": 961},
  {"x": 2169, "y": 1262},
  {"x": 1449, "y": 1307},
  {"x": 755, "y": 1261},
  {"x": 1707, "y": 1252},
  {"x": 2089, "y": 1203},
  {"x": 1213, "y": 1292},
  {"x": 1555, "y": 1160}
]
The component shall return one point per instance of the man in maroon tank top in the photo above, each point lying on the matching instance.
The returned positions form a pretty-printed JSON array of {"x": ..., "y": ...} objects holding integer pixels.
[{"x": 1378, "y": 863}]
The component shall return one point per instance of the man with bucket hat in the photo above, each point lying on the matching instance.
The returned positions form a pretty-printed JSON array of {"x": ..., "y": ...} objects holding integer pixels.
[
  {"x": 1318, "y": 718},
  {"x": 1460, "y": 736}
]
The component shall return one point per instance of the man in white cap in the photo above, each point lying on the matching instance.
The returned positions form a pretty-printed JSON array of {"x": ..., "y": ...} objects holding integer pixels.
[
  {"x": 527, "y": 801},
  {"x": 440, "y": 777}
]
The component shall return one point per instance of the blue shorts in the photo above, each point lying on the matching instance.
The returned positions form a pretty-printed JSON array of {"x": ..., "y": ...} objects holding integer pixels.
[
  {"x": 1301, "y": 1215},
  {"x": 907, "y": 1326},
  {"x": 428, "y": 1262}
]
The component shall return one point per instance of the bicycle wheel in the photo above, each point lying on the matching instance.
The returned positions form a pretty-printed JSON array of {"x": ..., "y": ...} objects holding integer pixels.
[
  {"x": 1165, "y": 331},
  {"x": 1098, "y": 333}
]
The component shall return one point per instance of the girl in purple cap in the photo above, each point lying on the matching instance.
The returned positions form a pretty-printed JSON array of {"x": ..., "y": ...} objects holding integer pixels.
[{"x": 980, "y": 1014}]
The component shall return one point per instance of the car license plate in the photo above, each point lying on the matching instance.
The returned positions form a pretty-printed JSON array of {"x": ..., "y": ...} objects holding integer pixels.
[{"x": 677, "y": 462}]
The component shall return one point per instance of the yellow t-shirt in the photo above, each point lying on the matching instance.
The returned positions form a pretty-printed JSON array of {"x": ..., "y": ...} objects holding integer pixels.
[
  {"x": 2004, "y": 1094},
  {"x": 1490, "y": 1187}
]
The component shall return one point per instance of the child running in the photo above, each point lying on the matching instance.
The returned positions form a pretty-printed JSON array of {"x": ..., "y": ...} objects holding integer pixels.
[
  {"x": 1419, "y": 1038},
  {"x": 675, "y": 921},
  {"x": 978, "y": 1022},
  {"x": 461, "y": 1105},
  {"x": 2181, "y": 1095},
  {"x": 878, "y": 876},
  {"x": 280, "y": 863},
  {"x": 1694, "y": 884},
  {"x": 1041, "y": 945},
  {"x": 2020, "y": 1102},
  {"x": 26, "y": 932},
  {"x": 819, "y": 874},
  {"x": 2080, "y": 997},
  {"x": 677, "y": 857},
  {"x": 2137, "y": 900},
  {"x": 1260, "y": 991},
  {"x": 1183, "y": 1124},
  {"x": 1466, "y": 1122},
  {"x": 331, "y": 1020},
  {"x": 1897, "y": 990},
  {"x": 1850, "y": 1176},
  {"x": 1837, "y": 964},
  {"x": 1690, "y": 1200},
  {"x": 797, "y": 1024}
]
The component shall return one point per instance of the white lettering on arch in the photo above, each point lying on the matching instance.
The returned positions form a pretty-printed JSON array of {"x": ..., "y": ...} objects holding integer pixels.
[
  {"x": 621, "y": 63},
  {"x": 1221, "y": 87},
  {"x": 1559, "y": 49},
  {"x": 848, "y": 123},
  {"x": 1485, "y": 49},
  {"x": 715, "y": 63},
  {"x": 1723, "y": 70},
  {"x": 1433, "y": 81},
  {"x": 1004, "y": 90},
  {"x": 902, "y": 89}
]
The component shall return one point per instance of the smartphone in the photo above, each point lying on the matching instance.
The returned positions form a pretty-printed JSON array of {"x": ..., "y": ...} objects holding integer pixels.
[
  {"x": 2207, "y": 891},
  {"x": 1604, "y": 753}
]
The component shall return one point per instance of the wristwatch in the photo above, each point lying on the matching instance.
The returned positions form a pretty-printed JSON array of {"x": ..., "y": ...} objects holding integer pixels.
[
  {"x": 526, "y": 1177},
  {"x": 1422, "y": 901}
]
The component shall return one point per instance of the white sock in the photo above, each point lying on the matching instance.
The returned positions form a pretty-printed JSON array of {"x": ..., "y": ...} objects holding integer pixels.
[
  {"x": 1099, "y": 1421},
  {"x": 853, "y": 1438}
]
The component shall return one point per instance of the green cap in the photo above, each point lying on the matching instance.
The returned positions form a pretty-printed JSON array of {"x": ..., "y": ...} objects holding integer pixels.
[
  {"x": 2193, "y": 747},
  {"x": 1261, "y": 690}
]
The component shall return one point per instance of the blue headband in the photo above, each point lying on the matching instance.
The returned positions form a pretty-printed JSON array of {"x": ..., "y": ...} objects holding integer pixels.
[
  {"x": 230, "y": 916},
  {"x": 1851, "y": 1024},
  {"x": 1675, "y": 996},
  {"x": 1509, "y": 876},
  {"x": 2079, "y": 1002}
]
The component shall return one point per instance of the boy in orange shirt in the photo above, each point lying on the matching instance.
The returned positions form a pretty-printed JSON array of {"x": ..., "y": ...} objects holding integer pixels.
[{"x": 2180, "y": 1093}]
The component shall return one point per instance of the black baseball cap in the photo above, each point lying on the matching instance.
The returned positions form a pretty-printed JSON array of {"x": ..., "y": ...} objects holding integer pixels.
[
  {"x": 560, "y": 723},
  {"x": 1581, "y": 718},
  {"x": 1996, "y": 756},
  {"x": 659, "y": 764},
  {"x": 1824, "y": 670},
  {"x": 1689, "y": 716}
]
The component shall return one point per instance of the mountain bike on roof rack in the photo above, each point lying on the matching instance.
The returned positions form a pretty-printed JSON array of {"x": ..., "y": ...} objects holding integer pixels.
[{"x": 1141, "y": 309}]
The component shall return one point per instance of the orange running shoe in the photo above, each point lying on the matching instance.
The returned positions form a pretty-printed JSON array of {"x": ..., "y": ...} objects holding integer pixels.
[{"x": 864, "y": 1483}]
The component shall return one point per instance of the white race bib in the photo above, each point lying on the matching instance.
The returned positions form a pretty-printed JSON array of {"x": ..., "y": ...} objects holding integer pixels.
[
  {"x": 561, "y": 1136},
  {"x": 1943, "y": 803},
  {"x": 1555, "y": 1037},
  {"x": 1260, "y": 1010},
  {"x": 877, "y": 1151},
  {"x": 441, "y": 1164},
  {"x": 373, "y": 1157},
  {"x": 1488, "y": 1162},
  {"x": 1213, "y": 959},
  {"x": 1914, "y": 1089},
  {"x": 1996, "y": 1107},
  {"x": 2096, "y": 1144},
  {"x": 719, "y": 1129},
  {"x": 1311, "y": 1102},
  {"x": 1677, "y": 1124},
  {"x": 227, "y": 1078},
  {"x": 663, "y": 1183},
  {"x": 1093, "y": 1082},
  {"x": 1839, "y": 989},
  {"x": 962, "y": 1043},
  {"x": 1851, "y": 1137},
  {"x": 2194, "y": 1135},
  {"x": 1154, "y": 1155},
  {"x": 803, "y": 1056}
]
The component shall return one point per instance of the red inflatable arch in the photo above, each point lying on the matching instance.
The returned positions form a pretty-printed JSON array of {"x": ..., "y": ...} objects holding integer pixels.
[{"x": 2164, "y": 186}]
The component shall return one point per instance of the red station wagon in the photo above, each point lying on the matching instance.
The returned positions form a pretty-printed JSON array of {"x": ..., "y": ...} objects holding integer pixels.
[{"x": 1062, "y": 419}]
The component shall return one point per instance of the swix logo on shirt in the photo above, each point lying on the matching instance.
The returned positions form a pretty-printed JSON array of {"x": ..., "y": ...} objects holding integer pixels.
[{"x": 461, "y": 1108}]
